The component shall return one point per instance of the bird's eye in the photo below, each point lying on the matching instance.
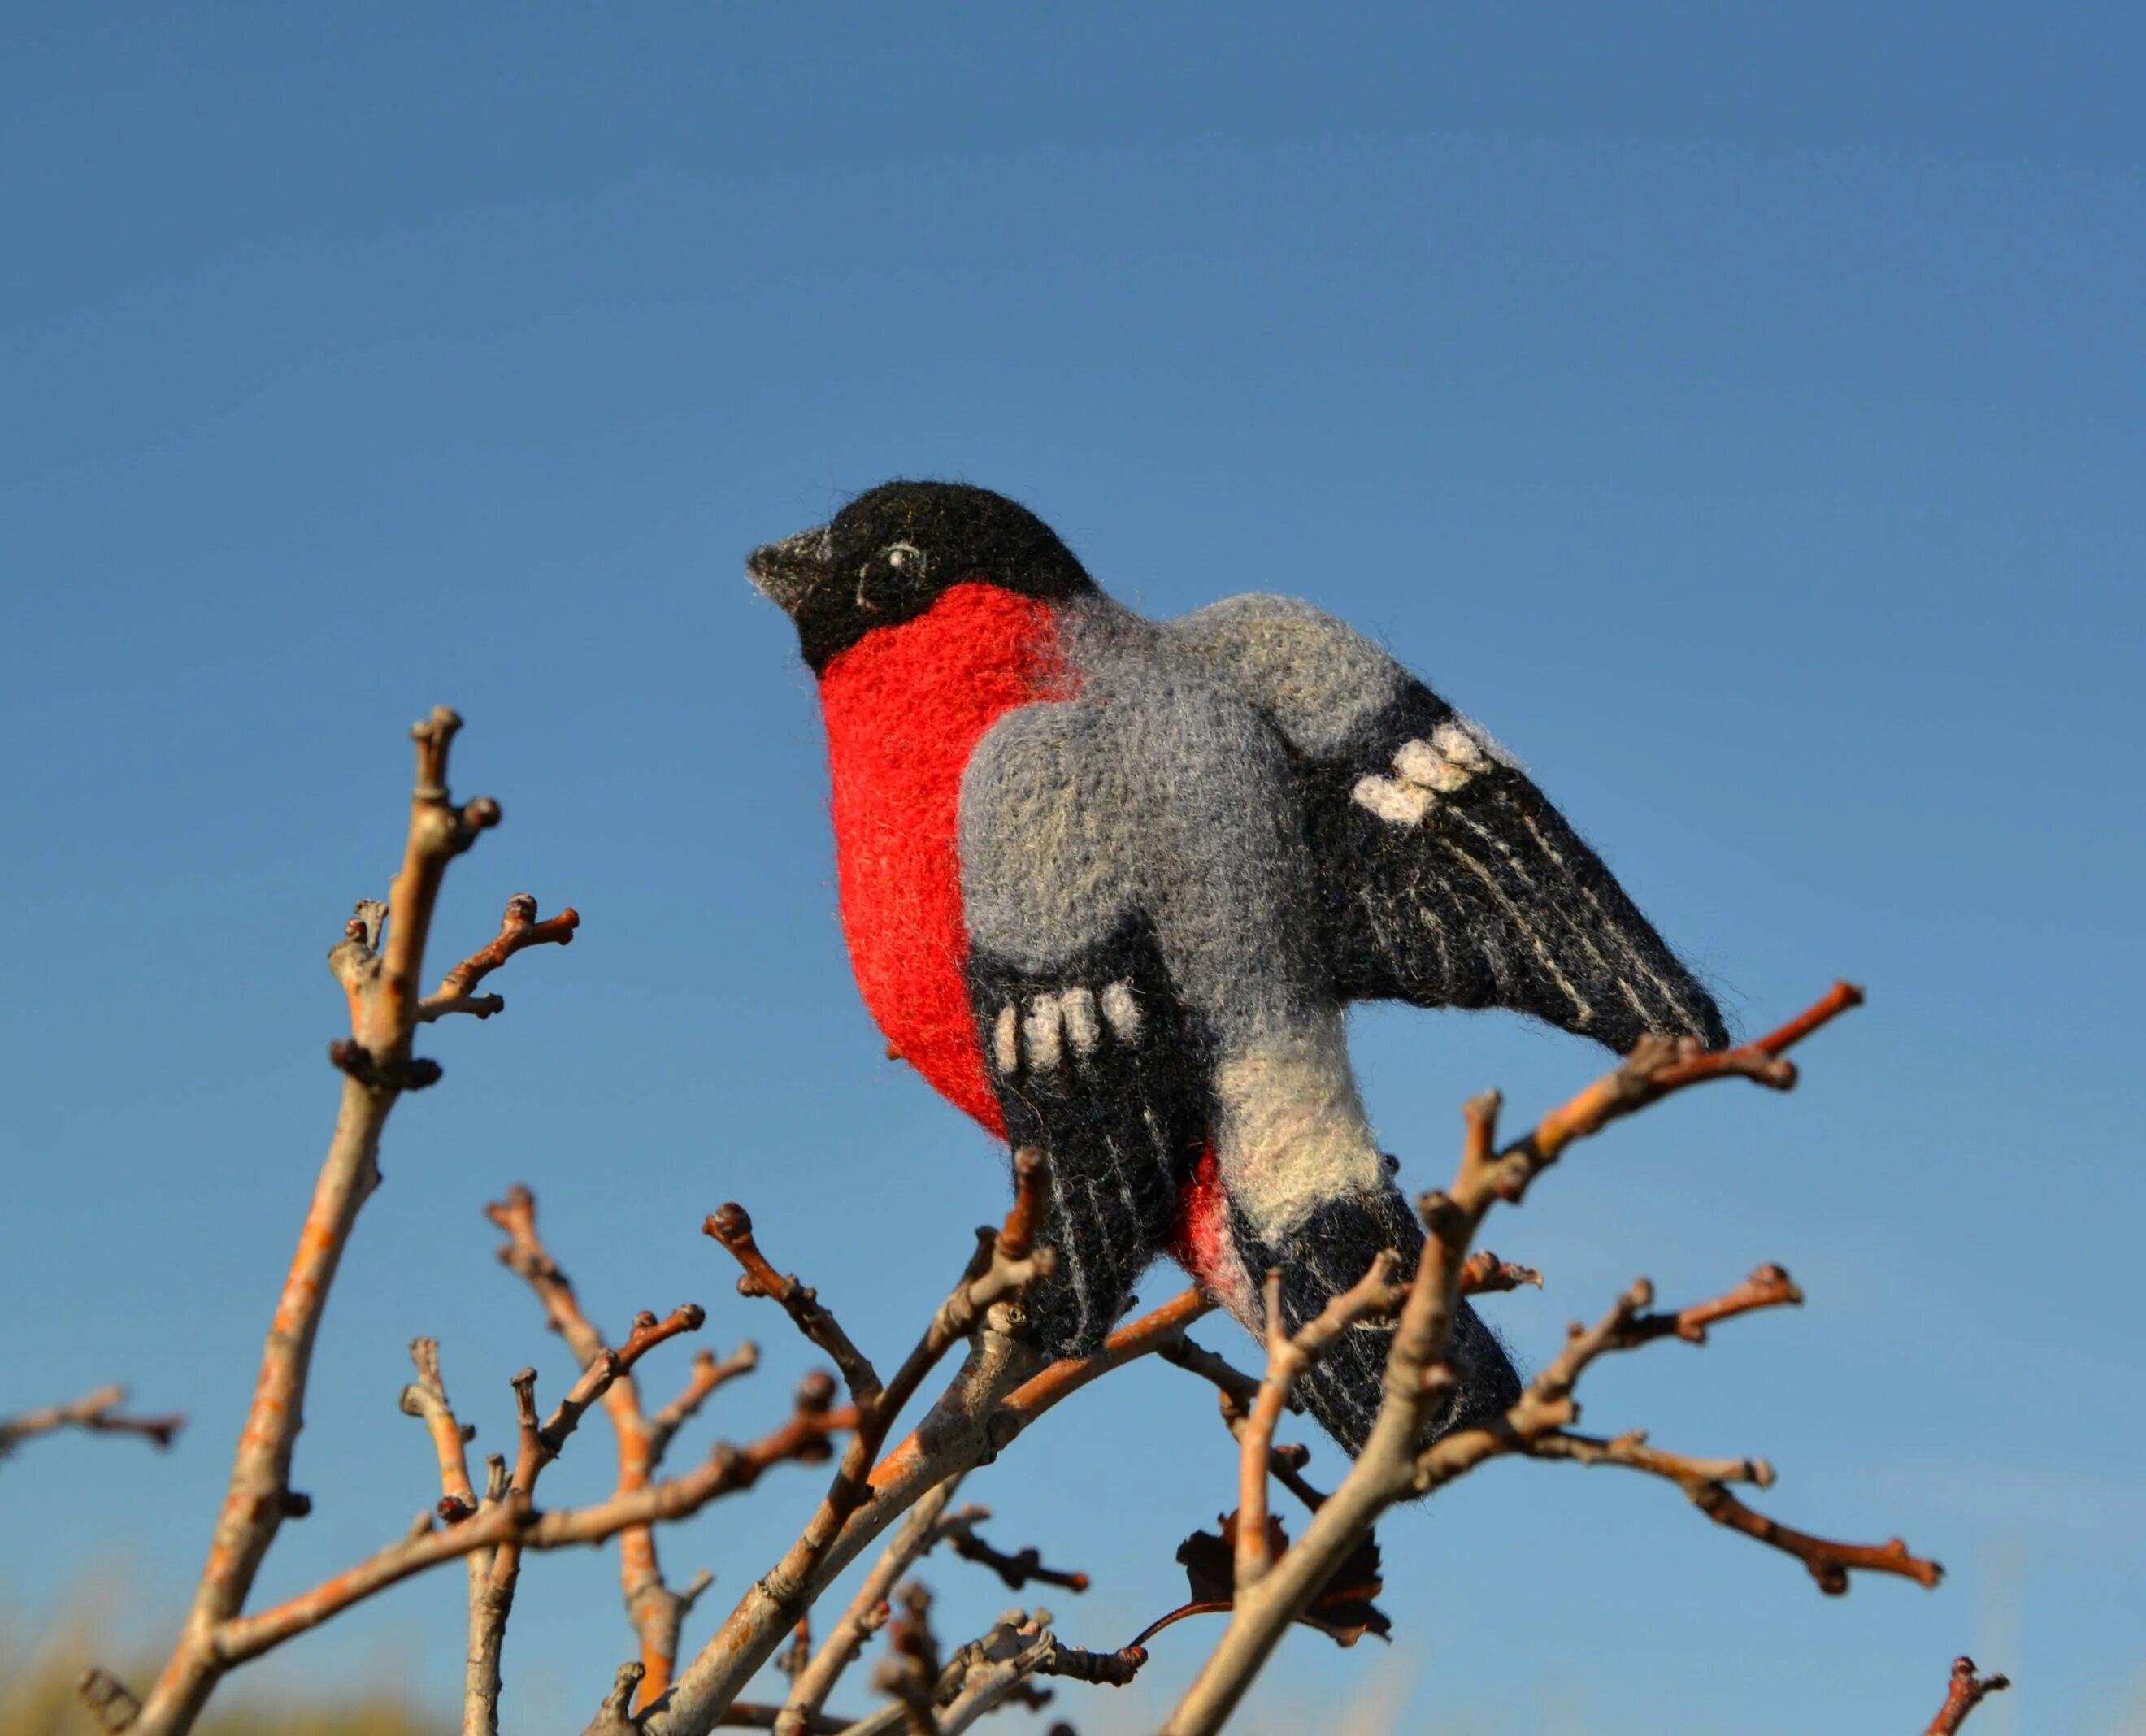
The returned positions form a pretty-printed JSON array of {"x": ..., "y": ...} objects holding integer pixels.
[{"x": 905, "y": 557}]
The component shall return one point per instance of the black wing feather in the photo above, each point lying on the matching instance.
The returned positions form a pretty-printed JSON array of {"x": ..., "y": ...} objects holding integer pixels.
[
  {"x": 1489, "y": 899},
  {"x": 1121, "y": 1119}
]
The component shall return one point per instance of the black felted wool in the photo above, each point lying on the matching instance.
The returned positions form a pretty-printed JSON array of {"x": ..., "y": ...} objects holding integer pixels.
[
  {"x": 1326, "y": 1253},
  {"x": 1111, "y": 883}
]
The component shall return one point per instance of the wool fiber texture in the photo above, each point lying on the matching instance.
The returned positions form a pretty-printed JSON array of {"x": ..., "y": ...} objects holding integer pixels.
[{"x": 1110, "y": 884}]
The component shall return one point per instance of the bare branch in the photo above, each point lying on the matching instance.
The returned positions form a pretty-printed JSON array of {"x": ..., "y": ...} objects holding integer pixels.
[
  {"x": 911, "y": 1670},
  {"x": 731, "y": 1226},
  {"x": 517, "y": 928},
  {"x": 656, "y": 1611},
  {"x": 1704, "y": 1480},
  {"x": 729, "y": 1470},
  {"x": 1393, "y": 1464},
  {"x": 95, "y": 1412},
  {"x": 425, "y": 1399},
  {"x": 1002, "y": 1387},
  {"x": 1962, "y": 1694},
  {"x": 1005, "y": 1262},
  {"x": 1374, "y": 1296},
  {"x": 110, "y": 1702},
  {"x": 1015, "y": 1571},
  {"x": 1484, "y": 1274},
  {"x": 1229, "y": 1379},
  {"x": 997, "y": 1394},
  {"x": 1286, "y": 1459},
  {"x": 867, "y": 1612},
  {"x": 707, "y": 1374},
  {"x": 378, "y": 962},
  {"x": 998, "y": 1668}
]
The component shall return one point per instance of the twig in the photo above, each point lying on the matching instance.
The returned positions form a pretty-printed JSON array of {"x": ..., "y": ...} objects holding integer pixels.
[
  {"x": 1394, "y": 1463},
  {"x": 1286, "y": 1459},
  {"x": 656, "y": 1611},
  {"x": 427, "y": 1398},
  {"x": 910, "y": 1672},
  {"x": 997, "y": 1394},
  {"x": 95, "y": 1412},
  {"x": 1226, "y": 1378},
  {"x": 999, "y": 1666},
  {"x": 517, "y": 928},
  {"x": 731, "y": 1226},
  {"x": 867, "y": 1612},
  {"x": 708, "y": 1373},
  {"x": 378, "y": 962},
  {"x": 1015, "y": 1571},
  {"x": 1962, "y": 1694},
  {"x": 1005, "y": 1263},
  {"x": 729, "y": 1470},
  {"x": 1484, "y": 1273},
  {"x": 1374, "y": 1296}
]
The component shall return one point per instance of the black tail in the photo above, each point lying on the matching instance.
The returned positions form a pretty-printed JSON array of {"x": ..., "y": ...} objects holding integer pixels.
[{"x": 1322, "y": 1257}]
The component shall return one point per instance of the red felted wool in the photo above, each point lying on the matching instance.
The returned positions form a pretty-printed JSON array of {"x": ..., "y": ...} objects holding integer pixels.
[{"x": 905, "y": 707}]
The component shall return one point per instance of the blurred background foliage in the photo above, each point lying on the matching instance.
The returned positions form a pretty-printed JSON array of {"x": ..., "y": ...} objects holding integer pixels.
[{"x": 38, "y": 1670}]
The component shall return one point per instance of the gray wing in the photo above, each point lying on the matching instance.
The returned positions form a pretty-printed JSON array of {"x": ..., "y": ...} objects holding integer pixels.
[
  {"x": 1446, "y": 877},
  {"x": 1107, "y": 842}
]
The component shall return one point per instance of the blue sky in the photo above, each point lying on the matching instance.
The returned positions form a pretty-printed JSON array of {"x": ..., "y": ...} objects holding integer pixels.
[{"x": 1739, "y": 412}]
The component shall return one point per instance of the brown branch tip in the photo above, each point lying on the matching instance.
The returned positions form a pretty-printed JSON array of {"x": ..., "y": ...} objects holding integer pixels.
[
  {"x": 95, "y": 1412},
  {"x": 1962, "y": 1694},
  {"x": 731, "y": 1226},
  {"x": 518, "y": 928},
  {"x": 1016, "y": 1570}
]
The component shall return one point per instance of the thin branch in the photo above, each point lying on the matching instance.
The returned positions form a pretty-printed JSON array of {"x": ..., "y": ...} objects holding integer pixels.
[
  {"x": 1394, "y": 1464},
  {"x": 1226, "y": 1378},
  {"x": 1829, "y": 1563},
  {"x": 1964, "y": 1691},
  {"x": 910, "y": 1672},
  {"x": 999, "y": 1667},
  {"x": 378, "y": 962},
  {"x": 1484, "y": 1273},
  {"x": 1017, "y": 1571},
  {"x": 110, "y": 1702},
  {"x": 1005, "y": 1263},
  {"x": 1112, "y": 1670},
  {"x": 867, "y": 1612},
  {"x": 1705, "y": 1482},
  {"x": 425, "y": 1397},
  {"x": 95, "y": 1412},
  {"x": 1374, "y": 1296},
  {"x": 729, "y": 1470},
  {"x": 517, "y": 929},
  {"x": 1286, "y": 1459},
  {"x": 997, "y": 1394},
  {"x": 1536, "y": 1426},
  {"x": 1768, "y": 1287},
  {"x": 656, "y": 1611},
  {"x": 804, "y": 1439},
  {"x": 1656, "y": 1068},
  {"x": 708, "y": 1373},
  {"x": 731, "y": 1226}
]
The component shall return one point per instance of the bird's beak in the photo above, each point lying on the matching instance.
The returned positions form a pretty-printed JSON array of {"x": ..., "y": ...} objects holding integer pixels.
[{"x": 786, "y": 571}]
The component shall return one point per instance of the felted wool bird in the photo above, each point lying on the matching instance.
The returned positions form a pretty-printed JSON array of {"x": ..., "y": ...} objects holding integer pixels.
[{"x": 1110, "y": 884}]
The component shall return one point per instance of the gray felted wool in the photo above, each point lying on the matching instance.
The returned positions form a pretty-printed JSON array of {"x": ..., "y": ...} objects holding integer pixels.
[{"x": 1110, "y": 884}]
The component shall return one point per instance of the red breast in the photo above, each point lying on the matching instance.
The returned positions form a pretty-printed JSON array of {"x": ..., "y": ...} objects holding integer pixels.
[{"x": 905, "y": 707}]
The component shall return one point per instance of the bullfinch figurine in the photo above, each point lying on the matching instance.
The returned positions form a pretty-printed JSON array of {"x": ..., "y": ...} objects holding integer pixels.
[{"x": 1110, "y": 884}]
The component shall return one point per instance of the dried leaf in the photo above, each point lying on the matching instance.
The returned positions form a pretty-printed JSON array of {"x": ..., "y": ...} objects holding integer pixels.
[{"x": 1343, "y": 1610}]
